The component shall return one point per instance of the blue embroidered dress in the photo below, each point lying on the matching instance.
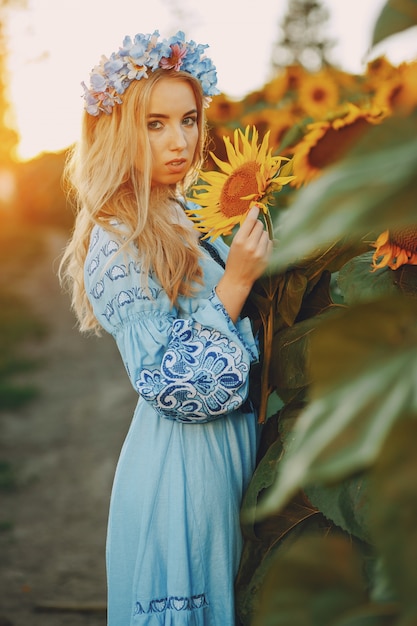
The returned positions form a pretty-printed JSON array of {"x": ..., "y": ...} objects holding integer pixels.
[{"x": 174, "y": 541}]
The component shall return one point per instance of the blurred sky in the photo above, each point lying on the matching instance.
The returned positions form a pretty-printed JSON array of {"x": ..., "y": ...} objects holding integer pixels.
[{"x": 53, "y": 44}]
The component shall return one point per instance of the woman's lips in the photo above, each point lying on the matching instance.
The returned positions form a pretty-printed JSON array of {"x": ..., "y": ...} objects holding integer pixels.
[{"x": 176, "y": 165}]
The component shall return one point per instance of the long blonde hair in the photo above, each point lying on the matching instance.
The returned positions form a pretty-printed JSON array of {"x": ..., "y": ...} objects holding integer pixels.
[{"x": 104, "y": 183}]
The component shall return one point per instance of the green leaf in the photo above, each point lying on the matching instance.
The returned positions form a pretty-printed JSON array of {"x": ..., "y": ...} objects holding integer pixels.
[
  {"x": 263, "y": 478},
  {"x": 358, "y": 339},
  {"x": 290, "y": 354},
  {"x": 405, "y": 279},
  {"x": 396, "y": 16},
  {"x": 312, "y": 582},
  {"x": 294, "y": 134},
  {"x": 365, "y": 372},
  {"x": 256, "y": 553},
  {"x": 372, "y": 189},
  {"x": 371, "y": 615},
  {"x": 393, "y": 510},
  {"x": 359, "y": 283},
  {"x": 256, "y": 562},
  {"x": 292, "y": 296},
  {"x": 345, "y": 503},
  {"x": 318, "y": 299},
  {"x": 263, "y": 538}
]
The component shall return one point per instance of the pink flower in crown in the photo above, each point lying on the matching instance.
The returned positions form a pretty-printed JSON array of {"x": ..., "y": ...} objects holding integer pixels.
[{"x": 175, "y": 60}]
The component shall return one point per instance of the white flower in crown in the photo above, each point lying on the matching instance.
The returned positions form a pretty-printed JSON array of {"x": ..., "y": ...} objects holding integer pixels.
[{"x": 136, "y": 58}]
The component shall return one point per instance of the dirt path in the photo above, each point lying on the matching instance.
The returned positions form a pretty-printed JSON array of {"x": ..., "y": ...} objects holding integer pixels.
[{"x": 64, "y": 447}]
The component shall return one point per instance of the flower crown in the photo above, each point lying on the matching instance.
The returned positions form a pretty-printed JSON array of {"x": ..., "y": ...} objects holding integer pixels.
[{"x": 112, "y": 76}]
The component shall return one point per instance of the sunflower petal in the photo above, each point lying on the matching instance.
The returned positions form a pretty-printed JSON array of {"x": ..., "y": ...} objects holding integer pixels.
[
  {"x": 232, "y": 154},
  {"x": 223, "y": 165}
]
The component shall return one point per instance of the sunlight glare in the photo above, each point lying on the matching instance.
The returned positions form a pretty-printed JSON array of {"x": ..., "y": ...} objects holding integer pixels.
[{"x": 47, "y": 64}]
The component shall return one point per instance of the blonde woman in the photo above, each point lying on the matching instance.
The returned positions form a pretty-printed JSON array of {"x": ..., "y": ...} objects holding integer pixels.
[{"x": 137, "y": 269}]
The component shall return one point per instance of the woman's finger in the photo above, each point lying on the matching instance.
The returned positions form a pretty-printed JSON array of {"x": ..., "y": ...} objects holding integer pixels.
[{"x": 249, "y": 222}]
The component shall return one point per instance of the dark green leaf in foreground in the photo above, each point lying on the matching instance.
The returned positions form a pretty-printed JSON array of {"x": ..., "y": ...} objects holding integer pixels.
[
  {"x": 364, "y": 368},
  {"x": 393, "y": 511},
  {"x": 312, "y": 583},
  {"x": 396, "y": 16},
  {"x": 291, "y": 350}
]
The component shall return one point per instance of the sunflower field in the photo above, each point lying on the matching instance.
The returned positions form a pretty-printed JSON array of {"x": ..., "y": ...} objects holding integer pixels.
[{"x": 330, "y": 517}]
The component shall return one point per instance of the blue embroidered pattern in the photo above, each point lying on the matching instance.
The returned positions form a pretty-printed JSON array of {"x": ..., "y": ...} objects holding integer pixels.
[
  {"x": 173, "y": 603},
  {"x": 203, "y": 373},
  {"x": 200, "y": 375},
  {"x": 220, "y": 307},
  {"x": 116, "y": 272},
  {"x": 125, "y": 297}
]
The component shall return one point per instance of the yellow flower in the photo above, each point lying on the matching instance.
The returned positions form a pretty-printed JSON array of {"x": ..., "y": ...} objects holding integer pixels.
[
  {"x": 396, "y": 247},
  {"x": 276, "y": 121},
  {"x": 248, "y": 177},
  {"x": 378, "y": 71},
  {"x": 318, "y": 94},
  {"x": 294, "y": 75},
  {"x": 275, "y": 89},
  {"x": 223, "y": 109},
  {"x": 398, "y": 94},
  {"x": 326, "y": 142}
]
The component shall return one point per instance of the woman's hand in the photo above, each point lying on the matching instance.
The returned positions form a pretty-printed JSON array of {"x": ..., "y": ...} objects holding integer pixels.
[{"x": 248, "y": 259}]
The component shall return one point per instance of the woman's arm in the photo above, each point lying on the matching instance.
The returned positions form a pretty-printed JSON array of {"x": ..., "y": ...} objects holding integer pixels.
[
  {"x": 247, "y": 261},
  {"x": 191, "y": 368}
]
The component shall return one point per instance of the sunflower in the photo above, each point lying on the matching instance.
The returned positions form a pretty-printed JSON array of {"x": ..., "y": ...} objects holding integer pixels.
[
  {"x": 378, "y": 71},
  {"x": 318, "y": 94},
  {"x": 398, "y": 94},
  {"x": 223, "y": 109},
  {"x": 294, "y": 75},
  {"x": 277, "y": 121},
  {"x": 275, "y": 89},
  {"x": 395, "y": 248},
  {"x": 326, "y": 142},
  {"x": 249, "y": 176}
]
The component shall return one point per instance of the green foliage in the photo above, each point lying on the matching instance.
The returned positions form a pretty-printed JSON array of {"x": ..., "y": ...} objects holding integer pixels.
[
  {"x": 7, "y": 477},
  {"x": 329, "y": 518},
  {"x": 18, "y": 324},
  {"x": 393, "y": 511},
  {"x": 396, "y": 16},
  {"x": 14, "y": 396},
  {"x": 314, "y": 581}
]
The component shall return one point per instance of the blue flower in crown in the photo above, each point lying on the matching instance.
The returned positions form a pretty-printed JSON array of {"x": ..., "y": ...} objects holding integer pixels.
[{"x": 136, "y": 58}]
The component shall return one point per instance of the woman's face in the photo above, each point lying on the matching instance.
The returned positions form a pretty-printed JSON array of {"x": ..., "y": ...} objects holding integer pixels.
[{"x": 172, "y": 130}]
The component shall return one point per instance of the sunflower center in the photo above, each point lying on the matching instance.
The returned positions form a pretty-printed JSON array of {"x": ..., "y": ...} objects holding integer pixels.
[
  {"x": 241, "y": 182},
  {"x": 319, "y": 94},
  {"x": 405, "y": 238},
  {"x": 395, "y": 95}
]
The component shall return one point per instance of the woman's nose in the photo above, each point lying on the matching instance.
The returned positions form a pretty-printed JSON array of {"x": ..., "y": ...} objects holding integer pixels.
[{"x": 178, "y": 140}]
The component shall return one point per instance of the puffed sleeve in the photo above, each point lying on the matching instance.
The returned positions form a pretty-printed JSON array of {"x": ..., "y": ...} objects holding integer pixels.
[{"x": 192, "y": 367}]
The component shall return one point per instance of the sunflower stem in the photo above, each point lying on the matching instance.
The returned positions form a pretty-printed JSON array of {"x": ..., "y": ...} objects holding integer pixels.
[
  {"x": 268, "y": 334},
  {"x": 269, "y": 225}
]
